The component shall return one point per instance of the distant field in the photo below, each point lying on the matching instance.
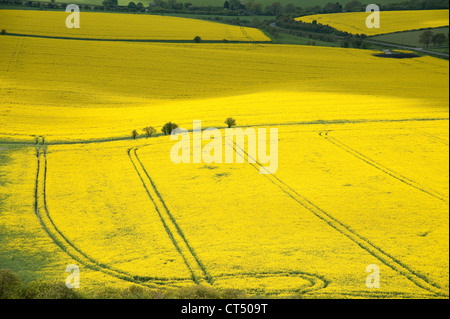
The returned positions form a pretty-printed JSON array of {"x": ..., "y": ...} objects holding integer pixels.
[
  {"x": 300, "y": 3},
  {"x": 123, "y": 26},
  {"x": 390, "y": 21},
  {"x": 409, "y": 38},
  {"x": 123, "y": 77}
]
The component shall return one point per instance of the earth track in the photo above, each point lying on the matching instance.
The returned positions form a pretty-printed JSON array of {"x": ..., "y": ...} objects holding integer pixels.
[
  {"x": 176, "y": 235},
  {"x": 64, "y": 243},
  {"x": 383, "y": 168},
  {"x": 316, "y": 282},
  {"x": 431, "y": 136},
  {"x": 388, "y": 260}
]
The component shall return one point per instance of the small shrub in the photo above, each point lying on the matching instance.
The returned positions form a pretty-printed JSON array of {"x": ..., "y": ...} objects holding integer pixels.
[
  {"x": 196, "y": 292},
  {"x": 48, "y": 290},
  {"x": 9, "y": 283},
  {"x": 230, "y": 122},
  {"x": 3, "y": 31},
  {"x": 149, "y": 130},
  {"x": 168, "y": 128}
]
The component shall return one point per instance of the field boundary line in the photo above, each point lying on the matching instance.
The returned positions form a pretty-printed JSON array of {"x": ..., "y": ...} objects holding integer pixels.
[
  {"x": 314, "y": 122},
  {"x": 176, "y": 235},
  {"x": 383, "y": 168},
  {"x": 432, "y": 136},
  {"x": 251, "y": 41},
  {"x": 317, "y": 282},
  {"x": 388, "y": 260},
  {"x": 64, "y": 243}
]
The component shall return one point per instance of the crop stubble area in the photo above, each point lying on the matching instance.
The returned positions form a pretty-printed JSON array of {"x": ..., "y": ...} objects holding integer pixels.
[{"x": 362, "y": 177}]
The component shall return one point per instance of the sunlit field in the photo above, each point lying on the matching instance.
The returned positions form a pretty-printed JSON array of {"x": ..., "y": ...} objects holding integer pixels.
[
  {"x": 390, "y": 21},
  {"x": 362, "y": 173},
  {"x": 96, "y": 25}
]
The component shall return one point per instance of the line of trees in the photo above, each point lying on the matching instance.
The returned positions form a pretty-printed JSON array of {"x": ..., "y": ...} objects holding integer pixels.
[
  {"x": 169, "y": 127},
  {"x": 438, "y": 39},
  {"x": 252, "y": 7}
]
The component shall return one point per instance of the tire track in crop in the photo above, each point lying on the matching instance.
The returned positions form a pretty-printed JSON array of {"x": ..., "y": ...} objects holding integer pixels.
[
  {"x": 383, "y": 168},
  {"x": 315, "y": 282},
  {"x": 244, "y": 32},
  {"x": 432, "y": 136},
  {"x": 175, "y": 233},
  {"x": 63, "y": 242},
  {"x": 18, "y": 51},
  {"x": 388, "y": 260}
]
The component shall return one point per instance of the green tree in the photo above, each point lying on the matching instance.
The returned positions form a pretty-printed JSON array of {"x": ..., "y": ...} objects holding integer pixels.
[
  {"x": 254, "y": 7},
  {"x": 289, "y": 8},
  {"x": 332, "y": 7},
  {"x": 168, "y": 128},
  {"x": 134, "y": 134},
  {"x": 149, "y": 130},
  {"x": 234, "y": 4},
  {"x": 354, "y": 5},
  {"x": 275, "y": 8},
  {"x": 426, "y": 37},
  {"x": 110, "y": 3},
  {"x": 438, "y": 39},
  {"x": 197, "y": 39},
  {"x": 132, "y": 6}
]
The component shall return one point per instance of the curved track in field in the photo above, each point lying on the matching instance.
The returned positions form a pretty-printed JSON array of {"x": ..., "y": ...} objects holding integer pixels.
[
  {"x": 432, "y": 136},
  {"x": 199, "y": 272},
  {"x": 176, "y": 235},
  {"x": 61, "y": 240},
  {"x": 383, "y": 168},
  {"x": 314, "y": 282},
  {"x": 388, "y": 260}
]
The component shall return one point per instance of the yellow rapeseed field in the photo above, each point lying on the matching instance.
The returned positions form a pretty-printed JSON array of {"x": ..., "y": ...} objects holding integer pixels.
[
  {"x": 44, "y": 91},
  {"x": 390, "y": 21},
  {"x": 96, "y": 25},
  {"x": 362, "y": 173}
]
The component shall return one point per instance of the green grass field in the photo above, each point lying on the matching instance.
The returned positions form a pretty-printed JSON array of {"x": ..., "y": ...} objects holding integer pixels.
[{"x": 408, "y": 38}]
